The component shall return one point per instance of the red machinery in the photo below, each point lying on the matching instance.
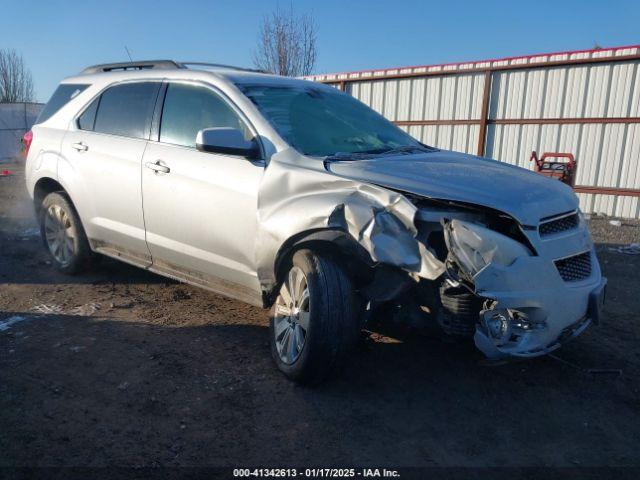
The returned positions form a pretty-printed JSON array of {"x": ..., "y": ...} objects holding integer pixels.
[{"x": 563, "y": 170}]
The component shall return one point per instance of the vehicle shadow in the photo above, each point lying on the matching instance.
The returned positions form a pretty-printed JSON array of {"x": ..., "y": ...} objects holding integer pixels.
[
  {"x": 25, "y": 261},
  {"x": 99, "y": 391}
]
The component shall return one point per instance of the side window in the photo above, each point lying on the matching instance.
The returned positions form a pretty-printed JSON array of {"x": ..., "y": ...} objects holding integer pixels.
[
  {"x": 63, "y": 95},
  {"x": 190, "y": 108},
  {"x": 127, "y": 109},
  {"x": 87, "y": 120}
]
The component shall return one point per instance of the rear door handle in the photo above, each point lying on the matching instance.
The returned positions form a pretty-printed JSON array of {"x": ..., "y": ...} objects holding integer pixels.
[
  {"x": 80, "y": 146},
  {"x": 157, "y": 167}
]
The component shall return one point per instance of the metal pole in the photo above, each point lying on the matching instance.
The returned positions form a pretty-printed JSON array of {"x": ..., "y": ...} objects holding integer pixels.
[{"x": 482, "y": 134}]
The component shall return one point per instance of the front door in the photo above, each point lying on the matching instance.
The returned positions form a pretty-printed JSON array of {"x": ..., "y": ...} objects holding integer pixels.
[{"x": 200, "y": 209}]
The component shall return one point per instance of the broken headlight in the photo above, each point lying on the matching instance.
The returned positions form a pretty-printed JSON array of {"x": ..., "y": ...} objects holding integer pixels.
[{"x": 474, "y": 247}]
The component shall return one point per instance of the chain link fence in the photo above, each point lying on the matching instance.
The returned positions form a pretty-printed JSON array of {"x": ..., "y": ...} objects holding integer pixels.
[{"x": 15, "y": 120}]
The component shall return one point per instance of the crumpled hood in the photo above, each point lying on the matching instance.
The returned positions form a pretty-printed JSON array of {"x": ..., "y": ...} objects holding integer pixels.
[{"x": 525, "y": 195}]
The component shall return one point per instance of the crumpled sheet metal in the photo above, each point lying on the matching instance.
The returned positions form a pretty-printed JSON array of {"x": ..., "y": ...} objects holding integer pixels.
[{"x": 303, "y": 197}]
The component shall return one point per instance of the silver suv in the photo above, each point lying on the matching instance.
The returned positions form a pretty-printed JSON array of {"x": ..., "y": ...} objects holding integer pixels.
[{"x": 294, "y": 196}]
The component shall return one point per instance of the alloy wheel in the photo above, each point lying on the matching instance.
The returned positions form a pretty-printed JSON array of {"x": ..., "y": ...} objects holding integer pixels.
[
  {"x": 291, "y": 318},
  {"x": 59, "y": 234}
]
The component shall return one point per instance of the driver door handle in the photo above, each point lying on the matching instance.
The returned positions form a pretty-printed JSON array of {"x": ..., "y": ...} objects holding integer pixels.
[{"x": 157, "y": 167}]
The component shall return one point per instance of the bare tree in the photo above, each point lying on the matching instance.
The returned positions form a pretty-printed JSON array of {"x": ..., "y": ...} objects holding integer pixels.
[
  {"x": 286, "y": 44},
  {"x": 16, "y": 84}
]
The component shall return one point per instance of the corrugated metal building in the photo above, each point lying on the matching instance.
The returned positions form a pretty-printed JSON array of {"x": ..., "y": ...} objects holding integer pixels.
[
  {"x": 15, "y": 120},
  {"x": 583, "y": 102}
]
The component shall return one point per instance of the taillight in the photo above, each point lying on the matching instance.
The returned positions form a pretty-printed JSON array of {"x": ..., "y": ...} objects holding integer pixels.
[{"x": 27, "y": 138}]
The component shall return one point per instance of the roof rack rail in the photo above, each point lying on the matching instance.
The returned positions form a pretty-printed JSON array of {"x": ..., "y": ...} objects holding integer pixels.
[
  {"x": 149, "y": 64},
  {"x": 142, "y": 65},
  {"x": 221, "y": 65}
]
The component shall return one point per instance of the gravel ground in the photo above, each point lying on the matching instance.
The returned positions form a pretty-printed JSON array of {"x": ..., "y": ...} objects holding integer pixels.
[{"x": 123, "y": 367}]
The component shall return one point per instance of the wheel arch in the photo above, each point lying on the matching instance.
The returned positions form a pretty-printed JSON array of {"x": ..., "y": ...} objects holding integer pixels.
[
  {"x": 43, "y": 187},
  {"x": 338, "y": 243}
]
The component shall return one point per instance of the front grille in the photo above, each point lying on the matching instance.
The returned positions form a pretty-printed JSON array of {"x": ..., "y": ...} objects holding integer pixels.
[
  {"x": 562, "y": 224},
  {"x": 575, "y": 268}
]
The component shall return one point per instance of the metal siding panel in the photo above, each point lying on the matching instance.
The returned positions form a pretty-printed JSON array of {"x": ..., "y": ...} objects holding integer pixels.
[
  {"x": 611, "y": 153},
  {"x": 444, "y": 137},
  {"x": 417, "y": 99},
  {"x": 416, "y": 132},
  {"x": 554, "y": 93},
  {"x": 366, "y": 93},
  {"x": 515, "y": 96},
  {"x": 634, "y": 104},
  {"x": 489, "y": 147},
  {"x": 478, "y": 91},
  {"x": 460, "y": 138},
  {"x": 589, "y": 154},
  {"x": 584, "y": 201},
  {"x": 596, "y": 98},
  {"x": 576, "y": 92},
  {"x": 548, "y": 138},
  {"x": 472, "y": 143},
  {"x": 353, "y": 89},
  {"x": 498, "y": 90},
  {"x": 432, "y": 98},
  {"x": 620, "y": 89},
  {"x": 463, "y": 97},
  {"x": 429, "y": 135},
  {"x": 626, "y": 207},
  {"x": 447, "y": 101},
  {"x": 404, "y": 100},
  {"x": 569, "y": 139},
  {"x": 535, "y": 93},
  {"x": 529, "y": 141},
  {"x": 515, "y": 156},
  {"x": 391, "y": 100},
  {"x": 377, "y": 97},
  {"x": 630, "y": 171}
]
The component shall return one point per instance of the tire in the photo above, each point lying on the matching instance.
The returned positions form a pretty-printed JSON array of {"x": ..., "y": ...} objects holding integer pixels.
[
  {"x": 327, "y": 316},
  {"x": 68, "y": 247}
]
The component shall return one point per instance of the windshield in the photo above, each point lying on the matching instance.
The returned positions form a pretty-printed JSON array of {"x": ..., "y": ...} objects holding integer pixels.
[{"x": 321, "y": 121}]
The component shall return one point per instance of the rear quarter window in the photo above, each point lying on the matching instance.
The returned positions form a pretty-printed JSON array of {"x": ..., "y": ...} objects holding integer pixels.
[
  {"x": 63, "y": 95},
  {"x": 87, "y": 120},
  {"x": 126, "y": 109}
]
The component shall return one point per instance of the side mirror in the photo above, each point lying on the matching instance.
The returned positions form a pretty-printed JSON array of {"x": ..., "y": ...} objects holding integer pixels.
[{"x": 226, "y": 140}]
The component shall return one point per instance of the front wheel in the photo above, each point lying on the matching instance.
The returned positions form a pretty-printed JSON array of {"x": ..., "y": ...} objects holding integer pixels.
[{"x": 314, "y": 321}]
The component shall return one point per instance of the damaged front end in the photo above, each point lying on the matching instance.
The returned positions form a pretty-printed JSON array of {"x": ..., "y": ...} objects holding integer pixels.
[
  {"x": 536, "y": 293},
  {"x": 519, "y": 288}
]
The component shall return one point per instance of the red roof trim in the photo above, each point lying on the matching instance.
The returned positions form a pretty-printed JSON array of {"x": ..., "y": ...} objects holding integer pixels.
[{"x": 503, "y": 59}]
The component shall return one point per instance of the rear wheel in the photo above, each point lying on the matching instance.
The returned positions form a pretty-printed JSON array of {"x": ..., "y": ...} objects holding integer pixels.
[
  {"x": 63, "y": 234},
  {"x": 314, "y": 320}
]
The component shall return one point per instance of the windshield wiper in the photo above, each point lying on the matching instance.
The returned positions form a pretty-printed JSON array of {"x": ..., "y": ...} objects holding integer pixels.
[
  {"x": 405, "y": 149},
  {"x": 379, "y": 152}
]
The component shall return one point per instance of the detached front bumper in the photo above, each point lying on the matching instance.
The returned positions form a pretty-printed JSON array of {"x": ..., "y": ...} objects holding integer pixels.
[{"x": 558, "y": 310}]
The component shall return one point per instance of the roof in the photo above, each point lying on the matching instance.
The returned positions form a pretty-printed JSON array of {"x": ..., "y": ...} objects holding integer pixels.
[{"x": 534, "y": 59}]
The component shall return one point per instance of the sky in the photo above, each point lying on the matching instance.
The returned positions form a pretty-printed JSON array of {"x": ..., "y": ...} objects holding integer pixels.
[{"x": 59, "y": 38}]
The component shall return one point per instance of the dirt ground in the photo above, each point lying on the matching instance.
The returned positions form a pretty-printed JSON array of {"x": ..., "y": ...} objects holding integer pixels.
[{"x": 123, "y": 367}]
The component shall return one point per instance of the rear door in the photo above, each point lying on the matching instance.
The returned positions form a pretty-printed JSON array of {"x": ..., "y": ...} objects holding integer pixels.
[
  {"x": 200, "y": 208},
  {"x": 104, "y": 149}
]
